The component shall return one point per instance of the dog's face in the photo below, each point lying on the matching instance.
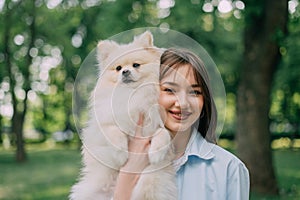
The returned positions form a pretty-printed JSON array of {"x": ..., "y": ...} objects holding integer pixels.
[{"x": 130, "y": 64}]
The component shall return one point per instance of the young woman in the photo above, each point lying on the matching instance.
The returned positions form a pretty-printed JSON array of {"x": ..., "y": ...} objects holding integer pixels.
[{"x": 204, "y": 170}]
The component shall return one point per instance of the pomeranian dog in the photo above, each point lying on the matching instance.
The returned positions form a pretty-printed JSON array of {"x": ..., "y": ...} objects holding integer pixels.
[{"x": 128, "y": 85}]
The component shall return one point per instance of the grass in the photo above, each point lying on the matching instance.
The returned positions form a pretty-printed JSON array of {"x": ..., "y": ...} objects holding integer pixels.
[
  {"x": 287, "y": 166},
  {"x": 49, "y": 174}
]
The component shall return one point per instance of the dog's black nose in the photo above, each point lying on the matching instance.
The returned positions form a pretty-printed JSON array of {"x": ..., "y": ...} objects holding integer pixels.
[{"x": 126, "y": 72}]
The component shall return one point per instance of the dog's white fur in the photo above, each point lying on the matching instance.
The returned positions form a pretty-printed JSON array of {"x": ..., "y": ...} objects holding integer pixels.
[{"x": 116, "y": 103}]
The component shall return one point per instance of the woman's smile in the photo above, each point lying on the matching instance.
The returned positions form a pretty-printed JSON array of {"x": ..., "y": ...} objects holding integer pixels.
[{"x": 180, "y": 115}]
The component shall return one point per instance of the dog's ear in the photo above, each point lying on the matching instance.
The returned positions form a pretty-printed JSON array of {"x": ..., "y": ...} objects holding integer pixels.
[
  {"x": 145, "y": 39},
  {"x": 104, "y": 48}
]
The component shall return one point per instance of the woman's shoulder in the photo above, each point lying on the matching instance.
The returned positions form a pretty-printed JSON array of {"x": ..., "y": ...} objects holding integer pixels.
[
  {"x": 224, "y": 156},
  {"x": 213, "y": 153}
]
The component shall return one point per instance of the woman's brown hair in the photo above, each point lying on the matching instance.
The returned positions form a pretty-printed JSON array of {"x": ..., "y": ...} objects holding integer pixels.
[{"x": 173, "y": 59}]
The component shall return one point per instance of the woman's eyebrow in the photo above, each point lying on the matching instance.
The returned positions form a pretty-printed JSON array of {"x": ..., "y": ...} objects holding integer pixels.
[
  {"x": 175, "y": 84},
  {"x": 169, "y": 83},
  {"x": 195, "y": 85}
]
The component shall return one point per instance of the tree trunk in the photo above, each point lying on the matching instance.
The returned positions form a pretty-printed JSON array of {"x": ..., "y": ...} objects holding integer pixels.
[
  {"x": 19, "y": 106},
  {"x": 261, "y": 57},
  {"x": 17, "y": 122}
]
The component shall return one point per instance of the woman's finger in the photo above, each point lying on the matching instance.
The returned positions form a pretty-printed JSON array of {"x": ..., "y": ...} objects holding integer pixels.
[{"x": 139, "y": 127}]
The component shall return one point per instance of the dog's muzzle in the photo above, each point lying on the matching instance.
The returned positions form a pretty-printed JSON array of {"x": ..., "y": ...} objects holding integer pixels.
[{"x": 126, "y": 76}]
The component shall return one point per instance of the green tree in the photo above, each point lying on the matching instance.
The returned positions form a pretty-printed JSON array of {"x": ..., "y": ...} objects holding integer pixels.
[
  {"x": 285, "y": 107},
  {"x": 17, "y": 65},
  {"x": 263, "y": 33}
]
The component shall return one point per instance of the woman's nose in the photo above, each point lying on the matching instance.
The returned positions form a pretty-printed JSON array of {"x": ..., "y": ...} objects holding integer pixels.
[{"x": 182, "y": 100}]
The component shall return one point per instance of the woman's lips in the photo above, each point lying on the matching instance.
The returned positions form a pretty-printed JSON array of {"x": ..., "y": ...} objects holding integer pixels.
[{"x": 180, "y": 115}]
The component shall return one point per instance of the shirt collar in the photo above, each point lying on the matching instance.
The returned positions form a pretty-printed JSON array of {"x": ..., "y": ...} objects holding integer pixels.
[{"x": 199, "y": 147}]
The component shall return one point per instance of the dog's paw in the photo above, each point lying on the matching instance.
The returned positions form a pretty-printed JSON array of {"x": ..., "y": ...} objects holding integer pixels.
[{"x": 160, "y": 145}]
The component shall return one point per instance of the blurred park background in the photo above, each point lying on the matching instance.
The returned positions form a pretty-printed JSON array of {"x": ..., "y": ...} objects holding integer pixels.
[{"x": 254, "y": 43}]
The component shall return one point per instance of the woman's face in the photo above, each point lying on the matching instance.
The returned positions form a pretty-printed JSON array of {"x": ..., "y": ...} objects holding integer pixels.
[{"x": 181, "y": 99}]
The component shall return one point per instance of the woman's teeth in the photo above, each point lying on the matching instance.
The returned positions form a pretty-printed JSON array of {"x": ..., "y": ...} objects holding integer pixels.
[{"x": 180, "y": 115}]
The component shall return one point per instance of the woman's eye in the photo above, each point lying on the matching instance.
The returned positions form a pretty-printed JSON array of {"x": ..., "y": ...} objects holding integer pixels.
[
  {"x": 136, "y": 65},
  {"x": 169, "y": 90},
  {"x": 196, "y": 92}
]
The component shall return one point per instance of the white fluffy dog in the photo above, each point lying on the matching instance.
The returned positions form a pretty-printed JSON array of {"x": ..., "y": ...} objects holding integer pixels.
[{"x": 127, "y": 86}]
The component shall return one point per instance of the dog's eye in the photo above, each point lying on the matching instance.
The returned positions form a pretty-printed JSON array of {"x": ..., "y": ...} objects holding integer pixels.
[
  {"x": 118, "y": 68},
  {"x": 135, "y": 65}
]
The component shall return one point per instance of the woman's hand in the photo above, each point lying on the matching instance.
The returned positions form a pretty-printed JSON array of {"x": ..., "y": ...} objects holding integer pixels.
[
  {"x": 138, "y": 150},
  {"x": 137, "y": 161}
]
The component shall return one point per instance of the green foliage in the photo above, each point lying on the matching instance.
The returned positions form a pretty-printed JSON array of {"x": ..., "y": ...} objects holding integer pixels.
[
  {"x": 285, "y": 109},
  {"x": 70, "y": 30}
]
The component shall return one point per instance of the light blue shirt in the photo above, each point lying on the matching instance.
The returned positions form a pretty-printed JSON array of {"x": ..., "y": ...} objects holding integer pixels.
[{"x": 207, "y": 171}]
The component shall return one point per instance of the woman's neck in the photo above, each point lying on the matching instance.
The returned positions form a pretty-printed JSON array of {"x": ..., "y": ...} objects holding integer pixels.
[{"x": 180, "y": 141}]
